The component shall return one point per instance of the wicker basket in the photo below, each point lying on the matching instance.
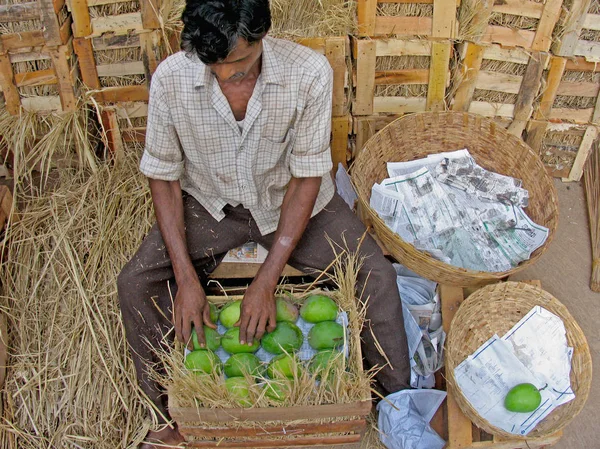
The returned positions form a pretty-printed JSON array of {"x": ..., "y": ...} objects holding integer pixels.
[
  {"x": 495, "y": 309},
  {"x": 417, "y": 135}
]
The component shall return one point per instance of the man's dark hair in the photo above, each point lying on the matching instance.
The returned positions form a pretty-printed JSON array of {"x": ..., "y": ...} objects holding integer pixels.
[{"x": 211, "y": 28}]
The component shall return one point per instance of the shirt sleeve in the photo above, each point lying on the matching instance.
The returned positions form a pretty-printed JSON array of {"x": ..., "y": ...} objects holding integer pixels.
[
  {"x": 311, "y": 154},
  {"x": 163, "y": 156}
]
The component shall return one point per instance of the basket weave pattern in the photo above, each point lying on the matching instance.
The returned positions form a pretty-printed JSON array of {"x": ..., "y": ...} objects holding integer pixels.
[
  {"x": 495, "y": 309},
  {"x": 418, "y": 135}
]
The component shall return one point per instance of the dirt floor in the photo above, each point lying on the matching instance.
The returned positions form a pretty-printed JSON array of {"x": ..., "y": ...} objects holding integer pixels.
[{"x": 565, "y": 272}]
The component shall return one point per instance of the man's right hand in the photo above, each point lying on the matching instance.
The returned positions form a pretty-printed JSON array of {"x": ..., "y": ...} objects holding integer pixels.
[{"x": 191, "y": 308}]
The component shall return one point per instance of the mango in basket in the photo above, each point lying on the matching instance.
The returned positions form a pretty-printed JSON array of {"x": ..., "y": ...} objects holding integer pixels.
[
  {"x": 286, "y": 311},
  {"x": 278, "y": 390},
  {"x": 524, "y": 398},
  {"x": 231, "y": 342},
  {"x": 286, "y": 337},
  {"x": 326, "y": 335},
  {"x": 211, "y": 336},
  {"x": 239, "y": 389},
  {"x": 241, "y": 364},
  {"x": 284, "y": 365},
  {"x": 230, "y": 314},
  {"x": 203, "y": 361},
  {"x": 325, "y": 362},
  {"x": 319, "y": 308},
  {"x": 214, "y": 313}
]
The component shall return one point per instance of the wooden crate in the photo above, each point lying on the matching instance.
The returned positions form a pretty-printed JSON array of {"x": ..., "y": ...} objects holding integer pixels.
[
  {"x": 571, "y": 93},
  {"x": 436, "y": 18},
  {"x": 322, "y": 426},
  {"x": 578, "y": 32},
  {"x": 511, "y": 23},
  {"x": 40, "y": 79},
  {"x": 498, "y": 82},
  {"x": 34, "y": 24},
  {"x": 449, "y": 421},
  {"x": 563, "y": 147},
  {"x": 422, "y": 82}
]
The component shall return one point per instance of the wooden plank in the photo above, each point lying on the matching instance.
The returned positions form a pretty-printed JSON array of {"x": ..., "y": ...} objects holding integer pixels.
[
  {"x": 340, "y": 128},
  {"x": 36, "y": 55},
  {"x": 82, "y": 26},
  {"x": 555, "y": 73},
  {"x": 497, "y": 53},
  {"x": 406, "y": 76},
  {"x": 87, "y": 64},
  {"x": 566, "y": 44},
  {"x": 335, "y": 51},
  {"x": 469, "y": 70},
  {"x": 16, "y": 41},
  {"x": 42, "y": 104},
  {"x": 582, "y": 116},
  {"x": 403, "y": 26},
  {"x": 444, "y": 24},
  {"x": 365, "y": 77},
  {"x": 589, "y": 50},
  {"x": 133, "y": 135},
  {"x": 65, "y": 30},
  {"x": 499, "y": 82},
  {"x": 407, "y": 1},
  {"x": 400, "y": 47},
  {"x": 536, "y": 130},
  {"x": 292, "y": 442},
  {"x": 438, "y": 76},
  {"x": 366, "y": 11},
  {"x": 578, "y": 89},
  {"x": 399, "y": 105},
  {"x": 580, "y": 64},
  {"x": 591, "y": 22},
  {"x": 234, "y": 270},
  {"x": 118, "y": 25},
  {"x": 121, "y": 69},
  {"x": 543, "y": 34},
  {"x": 112, "y": 42},
  {"x": 488, "y": 109},
  {"x": 114, "y": 139},
  {"x": 509, "y": 37},
  {"x": 9, "y": 88},
  {"x": 51, "y": 27},
  {"x": 596, "y": 114},
  {"x": 63, "y": 75},
  {"x": 37, "y": 78},
  {"x": 584, "y": 151},
  {"x": 131, "y": 110},
  {"x": 528, "y": 92},
  {"x": 19, "y": 11},
  {"x": 523, "y": 8},
  {"x": 58, "y": 5},
  {"x": 150, "y": 10},
  {"x": 355, "y": 425},
  {"x": 122, "y": 94},
  {"x": 102, "y": 2}
]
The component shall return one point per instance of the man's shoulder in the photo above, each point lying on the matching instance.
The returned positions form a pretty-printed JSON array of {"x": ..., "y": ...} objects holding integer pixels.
[
  {"x": 299, "y": 56},
  {"x": 173, "y": 65}
]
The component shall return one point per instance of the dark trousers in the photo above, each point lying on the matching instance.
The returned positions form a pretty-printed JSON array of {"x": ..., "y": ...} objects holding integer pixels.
[{"x": 147, "y": 282}]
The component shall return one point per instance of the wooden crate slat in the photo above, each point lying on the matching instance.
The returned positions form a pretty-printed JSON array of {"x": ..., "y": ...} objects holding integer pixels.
[
  {"x": 403, "y": 26},
  {"x": 444, "y": 24},
  {"x": 296, "y": 442},
  {"x": 122, "y": 94},
  {"x": 406, "y": 76},
  {"x": 489, "y": 109},
  {"x": 399, "y": 105},
  {"x": 85, "y": 58},
  {"x": 51, "y": 27},
  {"x": 27, "y": 39},
  {"x": 121, "y": 24},
  {"x": 498, "y": 53},
  {"x": 340, "y": 128},
  {"x": 399, "y": 47},
  {"x": 555, "y": 73},
  {"x": 121, "y": 69},
  {"x": 112, "y": 42},
  {"x": 9, "y": 88},
  {"x": 38, "y": 78},
  {"x": 365, "y": 77},
  {"x": 150, "y": 10},
  {"x": 543, "y": 35},
  {"x": 566, "y": 44},
  {"x": 572, "y": 115},
  {"x": 522, "y": 8},
  {"x": 366, "y": 12},
  {"x": 19, "y": 11},
  {"x": 438, "y": 76},
  {"x": 509, "y": 37},
  {"x": 578, "y": 89},
  {"x": 42, "y": 104},
  {"x": 131, "y": 110},
  {"x": 60, "y": 59},
  {"x": 498, "y": 81},
  {"x": 587, "y": 49},
  {"x": 469, "y": 70},
  {"x": 592, "y": 22},
  {"x": 591, "y": 133},
  {"x": 82, "y": 24},
  {"x": 335, "y": 51}
]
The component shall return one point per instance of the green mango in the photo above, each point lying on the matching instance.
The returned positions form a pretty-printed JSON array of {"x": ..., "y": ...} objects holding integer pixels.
[
  {"x": 231, "y": 342},
  {"x": 278, "y": 390},
  {"x": 231, "y": 314},
  {"x": 524, "y": 398},
  {"x": 286, "y": 337},
  {"x": 238, "y": 365},
  {"x": 214, "y": 313},
  {"x": 284, "y": 365},
  {"x": 211, "y": 336},
  {"x": 286, "y": 311},
  {"x": 319, "y": 308},
  {"x": 203, "y": 361},
  {"x": 239, "y": 389},
  {"x": 326, "y": 335},
  {"x": 326, "y": 361}
]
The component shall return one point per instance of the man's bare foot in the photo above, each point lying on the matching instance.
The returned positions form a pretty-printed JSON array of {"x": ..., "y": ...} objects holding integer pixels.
[{"x": 167, "y": 437}]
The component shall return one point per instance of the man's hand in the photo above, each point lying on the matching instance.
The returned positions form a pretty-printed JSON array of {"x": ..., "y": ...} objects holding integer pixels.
[
  {"x": 258, "y": 313},
  {"x": 190, "y": 308}
]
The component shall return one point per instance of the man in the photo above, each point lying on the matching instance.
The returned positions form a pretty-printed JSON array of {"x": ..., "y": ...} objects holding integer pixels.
[{"x": 237, "y": 149}]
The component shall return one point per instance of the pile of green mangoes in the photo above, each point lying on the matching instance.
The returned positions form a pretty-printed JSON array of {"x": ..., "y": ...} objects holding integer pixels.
[{"x": 326, "y": 336}]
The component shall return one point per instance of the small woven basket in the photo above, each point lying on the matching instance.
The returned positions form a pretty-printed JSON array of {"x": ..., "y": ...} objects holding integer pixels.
[
  {"x": 495, "y": 309},
  {"x": 418, "y": 135}
]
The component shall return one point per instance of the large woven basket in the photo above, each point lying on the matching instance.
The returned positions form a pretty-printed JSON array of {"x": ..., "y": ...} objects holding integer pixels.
[
  {"x": 495, "y": 309},
  {"x": 418, "y": 135}
]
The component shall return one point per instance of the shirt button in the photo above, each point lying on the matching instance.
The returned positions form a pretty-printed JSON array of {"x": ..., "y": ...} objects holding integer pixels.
[{"x": 243, "y": 187}]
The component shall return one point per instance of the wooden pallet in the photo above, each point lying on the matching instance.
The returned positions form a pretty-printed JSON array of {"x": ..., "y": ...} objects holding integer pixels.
[
  {"x": 483, "y": 15},
  {"x": 60, "y": 70},
  {"x": 367, "y": 77},
  {"x": 449, "y": 421},
  {"x": 470, "y": 78},
  {"x": 568, "y": 36},
  {"x": 442, "y": 24},
  {"x": 54, "y": 24}
]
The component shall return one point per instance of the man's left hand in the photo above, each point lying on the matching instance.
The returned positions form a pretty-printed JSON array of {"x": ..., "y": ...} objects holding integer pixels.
[{"x": 258, "y": 313}]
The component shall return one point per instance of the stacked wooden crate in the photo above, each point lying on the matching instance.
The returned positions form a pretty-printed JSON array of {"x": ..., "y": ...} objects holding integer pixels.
[
  {"x": 402, "y": 60},
  {"x": 565, "y": 123},
  {"x": 37, "y": 69},
  {"x": 119, "y": 45}
]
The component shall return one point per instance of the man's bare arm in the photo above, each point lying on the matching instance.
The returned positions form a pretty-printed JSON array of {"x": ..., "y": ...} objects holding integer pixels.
[
  {"x": 190, "y": 301},
  {"x": 258, "y": 306}
]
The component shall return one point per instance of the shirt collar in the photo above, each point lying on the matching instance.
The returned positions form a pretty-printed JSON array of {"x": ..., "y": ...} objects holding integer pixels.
[{"x": 271, "y": 71}]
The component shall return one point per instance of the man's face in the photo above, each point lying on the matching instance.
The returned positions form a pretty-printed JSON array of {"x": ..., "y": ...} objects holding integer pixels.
[{"x": 238, "y": 63}]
